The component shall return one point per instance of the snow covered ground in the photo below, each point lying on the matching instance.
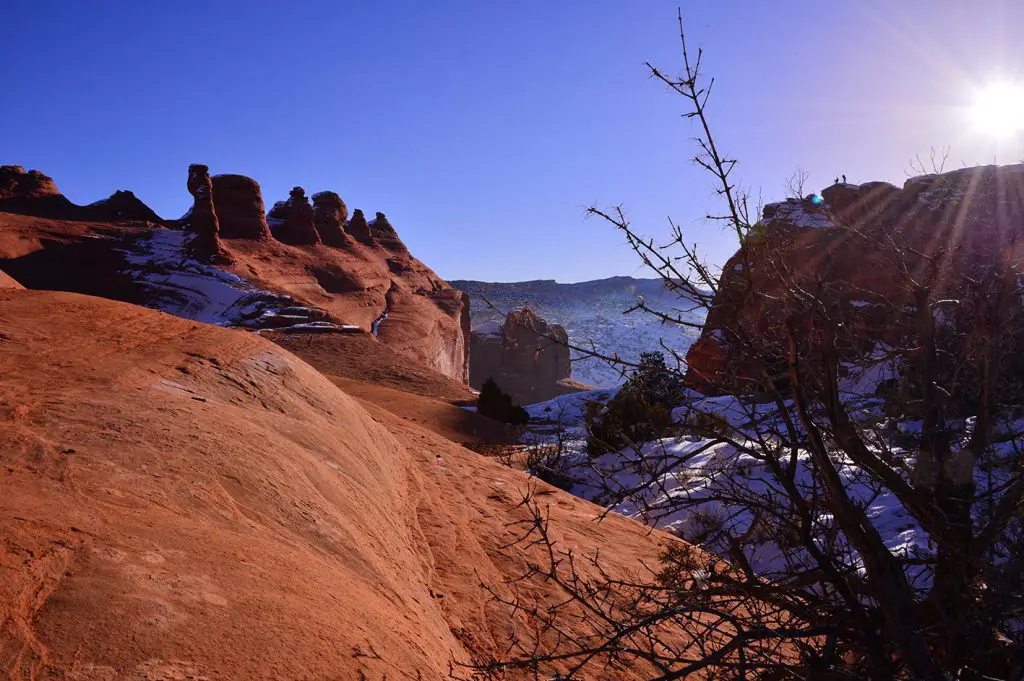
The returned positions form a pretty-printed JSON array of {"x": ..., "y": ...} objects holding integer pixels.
[
  {"x": 685, "y": 484},
  {"x": 178, "y": 284}
]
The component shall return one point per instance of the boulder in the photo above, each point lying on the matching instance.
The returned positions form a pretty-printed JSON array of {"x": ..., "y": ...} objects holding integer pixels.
[
  {"x": 527, "y": 357},
  {"x": 329, "y": 216},
  {"x": 201, "y": 220},
  {"x": 292, "y": 221},
  {"x": 238, "y": 202},
  {"x": 358, "y": 228},
  {"x": 850, "y": 250}
]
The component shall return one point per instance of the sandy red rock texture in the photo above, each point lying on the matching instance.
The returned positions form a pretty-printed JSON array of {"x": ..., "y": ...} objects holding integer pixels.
[{"x": 183, "y": 501}]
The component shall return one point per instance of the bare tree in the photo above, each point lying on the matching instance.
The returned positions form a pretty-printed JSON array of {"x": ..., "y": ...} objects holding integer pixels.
[
  {"x": 795, "y": 184},
  {"x": 790, "y": 495},
  {"x": 937, "y": 159}
]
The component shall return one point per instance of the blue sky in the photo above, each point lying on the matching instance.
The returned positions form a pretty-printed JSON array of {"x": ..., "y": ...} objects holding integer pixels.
[{"x": 484, "y": 128}]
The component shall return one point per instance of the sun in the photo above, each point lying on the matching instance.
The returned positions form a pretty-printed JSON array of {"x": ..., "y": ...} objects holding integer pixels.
[{"x": 998, "y": 109}]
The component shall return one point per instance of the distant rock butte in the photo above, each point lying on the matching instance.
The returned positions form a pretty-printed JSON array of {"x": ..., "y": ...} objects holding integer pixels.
[
  {"x": 527, "y": 357},
  {"x": 963, "y": 221}
]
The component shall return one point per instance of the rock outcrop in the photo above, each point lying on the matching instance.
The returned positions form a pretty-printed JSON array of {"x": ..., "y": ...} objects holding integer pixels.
[
  {"x": 850, "y": 248},
  {"x": 527, "y": 357},
  {"x": 18, "y": 185},
  {"x": 329, "y": 216},
  {"x": 121, "y": 205},
  {"x": 343, "y": 284},
  {"x": 292, "y": 221},
  {"x": 201, "y": 220},
  {"x": 384, "y": 234},
  {"x": 33, "y": 193},
  {"x": 239, "y": 205},
  {"x": 358, "y": 228}
]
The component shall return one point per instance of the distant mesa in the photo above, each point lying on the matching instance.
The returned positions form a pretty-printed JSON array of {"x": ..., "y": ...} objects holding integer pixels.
[
  {"x": 527, "y": 357},
  {"x": 292, "y": 221}
]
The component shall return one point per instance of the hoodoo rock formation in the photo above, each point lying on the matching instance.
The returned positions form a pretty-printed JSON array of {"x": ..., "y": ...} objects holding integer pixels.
[
  {"x": 384, "y": 234},
  {"x": 862, "y": 251},
  {"x": 345, "y": 283},
  {"x": 358, "y": 228},
  {"x": 293, "y": 220},
  {"x": 527, "y": 357},
  {"x": 239, "y": 205},
  {"x": 202, "y": 220},
  {"x": 329, "y": 216}
]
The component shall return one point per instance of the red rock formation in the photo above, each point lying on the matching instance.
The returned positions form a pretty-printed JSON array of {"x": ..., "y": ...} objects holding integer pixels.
[
  {"x": 427, "y": 319},
  {"x": 121, "y": 205},
  {"x": 384, "y": 234},
  {"x": 293, "y": 220},
  {"x": 16, "y": 184},
  {"x": 201, "y": 220},
  {"x": 329, "y": 216},
  {"x": 961, "y": 222},
  {"x": 33, "y": 193},
  {"x": 183, "y": 501},
  {"x": 358, "y": 228},
  {"x": 526, "y": 357},
  {"x": 239, "y": 205}
]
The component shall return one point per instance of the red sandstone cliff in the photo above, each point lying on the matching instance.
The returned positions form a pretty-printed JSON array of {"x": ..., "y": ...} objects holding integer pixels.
[{"x": 860, "y": 253}]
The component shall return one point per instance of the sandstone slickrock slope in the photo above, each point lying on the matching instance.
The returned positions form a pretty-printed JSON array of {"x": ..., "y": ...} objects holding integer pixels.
[
  {"x": 8, "y": 282},
  {"x": 183, "y": 501},
  {"x": 527, "y": 357},
  {"x": 369, "y": 281},
  {"x": 945, "y": 228}
]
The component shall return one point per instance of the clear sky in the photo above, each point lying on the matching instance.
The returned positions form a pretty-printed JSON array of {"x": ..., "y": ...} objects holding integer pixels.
[{"x": 484, "y": 128}]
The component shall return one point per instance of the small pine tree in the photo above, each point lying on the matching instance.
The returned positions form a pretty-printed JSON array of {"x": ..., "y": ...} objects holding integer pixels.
[
  {"x": 640, "y": 411},
  {"x": 495, "y": 403}
]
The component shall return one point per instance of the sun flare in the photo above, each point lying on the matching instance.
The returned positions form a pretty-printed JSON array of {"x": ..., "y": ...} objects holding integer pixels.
[{"x": 998, "y": 109}]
